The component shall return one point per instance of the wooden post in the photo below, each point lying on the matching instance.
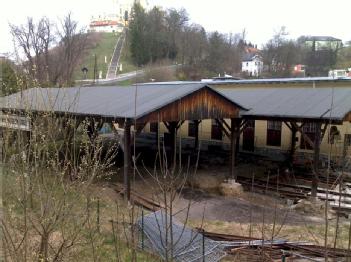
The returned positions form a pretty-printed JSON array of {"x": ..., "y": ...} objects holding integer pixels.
[
  {"x": 234, "y": 134},
  {"x": 172, "y": 129},
  {"x": 157, "y": 133},
  {"x": 317, "y": 144},
  {"x": 293, "y": 145},
  {"x": 344, "y": 153},
  {"x": 173, "y": 145},
  {"x": 127, "y": 138},
  {"x": 196, "y": 142}
]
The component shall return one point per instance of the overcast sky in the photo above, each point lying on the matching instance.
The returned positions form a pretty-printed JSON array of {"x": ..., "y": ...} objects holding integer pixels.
[{"x": 260, "y": 18}]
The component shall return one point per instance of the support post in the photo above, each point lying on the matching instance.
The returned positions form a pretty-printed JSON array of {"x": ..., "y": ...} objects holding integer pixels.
[
  {"x": 293, "y": 145},
  {"x": 172, "y": 128},
  {"x": 344, "y": 153},
  {"x": 127, "y": 139},
  {"x": 317, "y": 144},
  {"x": 173, "y": 131},
  {"x": 196, "y": 142},
  {"x": 234, "y": 134},
  {"x": 142, "y": 228}
]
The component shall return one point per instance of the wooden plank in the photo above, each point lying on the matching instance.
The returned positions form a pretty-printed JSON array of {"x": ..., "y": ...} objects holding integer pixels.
[
  {"x": 225, "y": 131},
  {"x": 348, "y": 117},
  {"x": 202, "y": 104},
  {"x": 305, "y": 137},
  {"x": 127, "y": 156}
]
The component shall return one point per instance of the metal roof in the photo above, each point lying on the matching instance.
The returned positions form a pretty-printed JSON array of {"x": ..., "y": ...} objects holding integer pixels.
[
  {"x": 300, "y": 103},
  {"x": 285, "y": 80},
  {"x": 113, "y": 102},
  {"x": 311, "y": 80},
  {"x": 119, "y": 102},
  {"x": 321, "y": 38}
]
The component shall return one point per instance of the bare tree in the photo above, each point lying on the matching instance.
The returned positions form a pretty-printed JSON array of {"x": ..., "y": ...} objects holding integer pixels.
[
  {"x": 35, "y": 40},
  {"x": 49, "y": 173},
  {"x": 72, "y": 44},
  {"x": 280, "y": 54},
  {"x": 51, "y": 54}
]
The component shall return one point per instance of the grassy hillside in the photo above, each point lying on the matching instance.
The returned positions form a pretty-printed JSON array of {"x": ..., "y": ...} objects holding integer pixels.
[{"x": 101, "y": 45}]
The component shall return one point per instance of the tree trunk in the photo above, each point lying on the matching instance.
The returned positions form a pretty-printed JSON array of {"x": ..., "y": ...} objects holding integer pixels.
[{"x": 44, "y": 244}]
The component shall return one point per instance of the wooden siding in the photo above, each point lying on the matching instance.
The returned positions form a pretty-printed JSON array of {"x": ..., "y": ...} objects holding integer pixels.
[
  {"x": 348, "y": 117},
  {"x": 202, "y": 104}
]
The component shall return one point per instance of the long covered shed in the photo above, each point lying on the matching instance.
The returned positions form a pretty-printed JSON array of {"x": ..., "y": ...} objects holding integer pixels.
[
  {"x": 167, "y": 103},
  {"x": 173, "y": 103}
]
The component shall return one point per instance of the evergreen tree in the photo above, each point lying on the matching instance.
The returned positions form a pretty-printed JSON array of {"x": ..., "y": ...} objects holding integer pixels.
[{"x": 139, "y": 44}]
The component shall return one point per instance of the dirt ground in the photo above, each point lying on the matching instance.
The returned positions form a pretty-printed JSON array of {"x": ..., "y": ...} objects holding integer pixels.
[
  {"x": 248, "y": 207},
  {"x": 210, "y": 205},
  {"x": 249, "y": 214}
]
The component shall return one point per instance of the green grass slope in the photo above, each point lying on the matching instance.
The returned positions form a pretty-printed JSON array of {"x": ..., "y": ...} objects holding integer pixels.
[{"x": 100, "y": 45}]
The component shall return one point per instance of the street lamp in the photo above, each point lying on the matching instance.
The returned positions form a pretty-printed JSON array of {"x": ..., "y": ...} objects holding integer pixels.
[{"x": 85, "y": 72}]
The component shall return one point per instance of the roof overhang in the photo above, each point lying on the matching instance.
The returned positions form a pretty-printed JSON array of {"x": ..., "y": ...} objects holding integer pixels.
[
  {"x": 205, "y": 103},
  {"x": 155, "y": 104}
]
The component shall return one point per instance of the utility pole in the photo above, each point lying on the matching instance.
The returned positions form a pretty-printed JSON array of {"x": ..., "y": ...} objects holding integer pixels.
[{"x": 95, "y": 68}]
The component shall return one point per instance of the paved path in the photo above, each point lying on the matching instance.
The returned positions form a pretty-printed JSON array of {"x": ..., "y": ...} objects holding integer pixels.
[
  {"x": 114, "y": 64},
  {"x": 118, "y": 78}
]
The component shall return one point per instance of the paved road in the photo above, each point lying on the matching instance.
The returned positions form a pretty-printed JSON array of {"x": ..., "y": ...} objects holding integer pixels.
[{"x": 118, "y": 78}]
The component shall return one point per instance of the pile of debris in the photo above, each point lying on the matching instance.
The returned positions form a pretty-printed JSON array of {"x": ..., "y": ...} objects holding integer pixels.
[
  {"x": 139, "y": 200},
  {"x": 254, "y": 249},
  {"x": 339, "y": 199},
  {"x": 161, "y": 234}
]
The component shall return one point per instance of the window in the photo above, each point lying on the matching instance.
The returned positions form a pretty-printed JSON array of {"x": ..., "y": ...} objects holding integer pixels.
[
  {"x": 310, "y": 130},
  {"x": 347, "y": 140},
  {"x": 192, "y": 129},
  {"x": 216, "y": 131},
  {"x": 274, "y": 133},
  {"x": 154, "y": 127}
]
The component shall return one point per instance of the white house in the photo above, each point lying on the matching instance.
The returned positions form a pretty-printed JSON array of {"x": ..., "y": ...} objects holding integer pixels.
[{"x": 252, "y": 64}]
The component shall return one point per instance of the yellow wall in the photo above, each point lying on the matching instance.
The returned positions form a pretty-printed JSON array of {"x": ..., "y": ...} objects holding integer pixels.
[{"x": 261, "y": 136}]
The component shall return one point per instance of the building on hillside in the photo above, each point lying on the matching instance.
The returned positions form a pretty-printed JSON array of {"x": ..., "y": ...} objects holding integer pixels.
[
  {"x": 339, "y": 73},
  {"x": 299, "y": 71},
  {"x": 252, "y": 64},
  {"x": 319, "y": 43},
  {"x": 116, "y": 21},
  {"x": 107, "y": 24},
  {"x": 124, "y": 7},
  {"x": 2, "y": 56}
]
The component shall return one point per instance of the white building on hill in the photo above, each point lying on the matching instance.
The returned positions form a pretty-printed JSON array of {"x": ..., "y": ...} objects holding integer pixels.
[
  {"x": 115, "y": 22},
  {"x": 106, "y": 23},
  {"x": 124, "y": 7},
  {"x": 252, "y": 64}
]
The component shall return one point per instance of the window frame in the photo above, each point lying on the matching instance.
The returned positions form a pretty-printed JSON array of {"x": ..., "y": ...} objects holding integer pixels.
[{"x": 274, "y": 130}]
